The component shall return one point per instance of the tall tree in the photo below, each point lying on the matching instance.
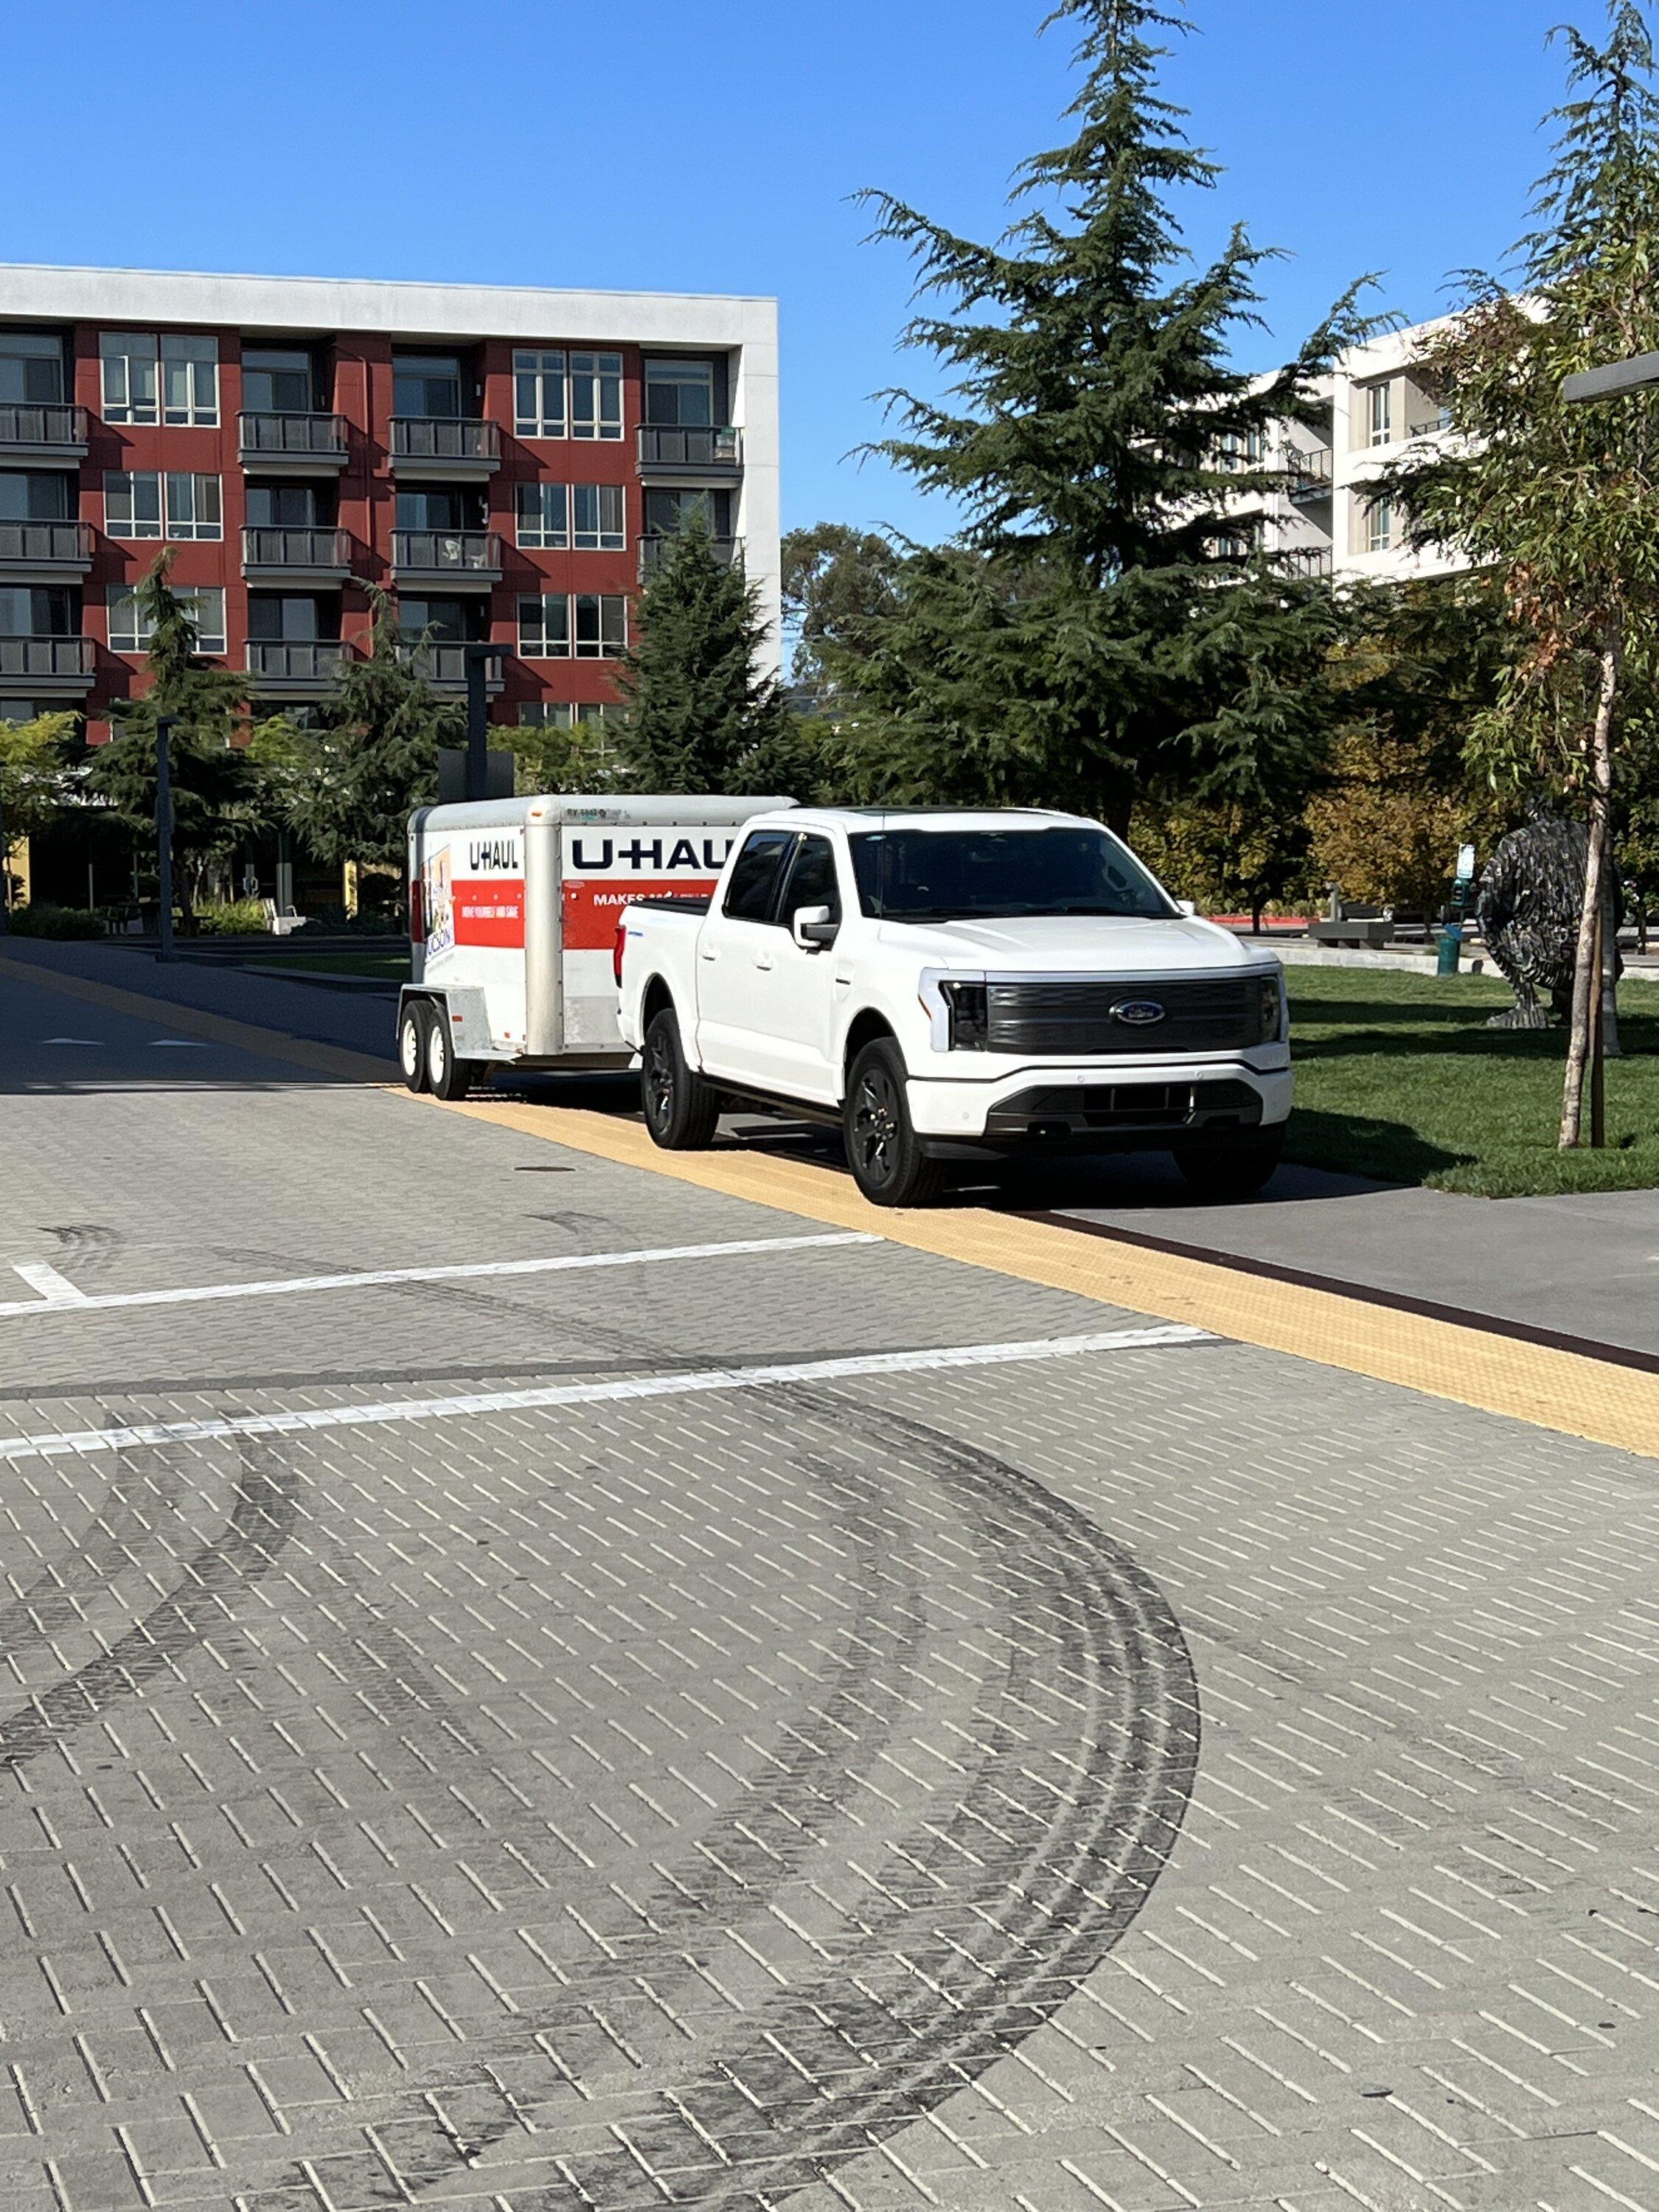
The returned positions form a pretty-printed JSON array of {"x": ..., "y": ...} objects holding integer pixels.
[
  {"x": 838, "y": 583},
  {"x": 36, "y": 772},
  {"x": 1562, "y": 501},
  {"x": 349, "y": 783},
  {"x": 702, "y": 715},
  {"x": 212, "y": 777},
  {"x": 1092, "y": 436}
]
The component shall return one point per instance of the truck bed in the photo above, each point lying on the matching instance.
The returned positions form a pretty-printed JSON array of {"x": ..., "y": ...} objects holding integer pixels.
[{"x": 675, "y": 905}]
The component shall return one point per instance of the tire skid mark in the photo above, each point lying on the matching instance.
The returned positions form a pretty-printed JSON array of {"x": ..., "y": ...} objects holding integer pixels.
[{"x": 98, "y": 1551}]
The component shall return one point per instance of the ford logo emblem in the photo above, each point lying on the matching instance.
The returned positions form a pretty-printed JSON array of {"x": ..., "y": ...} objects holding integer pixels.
[{"x": 1139, "y": 1013}]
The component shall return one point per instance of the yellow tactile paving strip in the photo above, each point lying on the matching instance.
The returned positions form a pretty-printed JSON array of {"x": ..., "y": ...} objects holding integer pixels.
[{"x": 1569, "y": 1392}]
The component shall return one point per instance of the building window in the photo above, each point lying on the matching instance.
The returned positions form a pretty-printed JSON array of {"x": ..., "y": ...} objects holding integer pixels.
[
  {"x": 680, "y": 394},
  {"x": 194, "y": 507},
  {"x": 596, "y": 395},
  {"x": 129, "y": 359},
  {"x": 600, "y": 625},
  {"x": 538, "y": 395},
  {"x": 132, "y": 502},
  {"x": 278, "y": 381},
  {"x": 31, "y": 368},
  {"x": 561, "y": 714},
  {"x": 543, "y": 516},
  {"x": 35, "y": 495},
  {"x": 544, "y": 628},
  {"x": 1379, "y": 413},
  {"x": 1379, "y": 526},
  {"x": 129, "y": 631},
  {"x": 596, "y": 518},
  {"x": 190, "y": 378},
  {"x": 39, "y": 611},
  {"x": 430, "y": 385}
]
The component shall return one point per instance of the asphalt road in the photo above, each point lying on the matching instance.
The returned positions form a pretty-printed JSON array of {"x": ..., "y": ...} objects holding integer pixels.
[{"x": 648, "y": 1701}]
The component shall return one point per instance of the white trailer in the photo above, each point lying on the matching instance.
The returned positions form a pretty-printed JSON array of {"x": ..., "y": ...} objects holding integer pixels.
[{"x": 513, "y": 906}]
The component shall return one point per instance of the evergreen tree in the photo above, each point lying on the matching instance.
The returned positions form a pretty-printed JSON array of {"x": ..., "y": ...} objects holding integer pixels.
[
  {"x": 701, "y": 717},
  {"x": 1116, "y": 635},
  {"x": 838, "y": 583},
  {"x": 212, "y": 778},
  {"x": 36, "y": 773},
  {"x": 348, "y": 784},
  {"x": 1559, "y": 501}
]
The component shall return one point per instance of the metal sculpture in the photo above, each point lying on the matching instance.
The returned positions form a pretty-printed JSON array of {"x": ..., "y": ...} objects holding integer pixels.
[{"x": 1531, "y": 895}]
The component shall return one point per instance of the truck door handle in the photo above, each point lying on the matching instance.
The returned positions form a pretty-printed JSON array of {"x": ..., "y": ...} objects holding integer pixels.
[
  {"x": 762, "y": 960},
  {"x": 702, "y": 955}
]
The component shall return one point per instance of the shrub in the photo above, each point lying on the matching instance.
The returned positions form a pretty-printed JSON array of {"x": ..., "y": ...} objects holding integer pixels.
[
  {"x": 244, "y": 917},
  {"x": 43, "y": 919}
]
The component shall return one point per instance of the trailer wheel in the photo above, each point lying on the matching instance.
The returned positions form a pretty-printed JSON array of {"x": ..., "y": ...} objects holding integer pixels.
[
  {"x": 447, "y": 1076},
  {"x": 411, "y": 1043},
  {"x": 681, "y": 1110}
]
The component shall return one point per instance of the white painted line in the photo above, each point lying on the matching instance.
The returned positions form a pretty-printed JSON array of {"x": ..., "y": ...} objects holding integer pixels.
[
  {"x": 83, "y": 1441},
  {"x": 369, "y": 1279},
  {"x": 178, "y": 1044},
  {"x": 71, "y": 1040},
  {"x": 55, "y": 1290}
]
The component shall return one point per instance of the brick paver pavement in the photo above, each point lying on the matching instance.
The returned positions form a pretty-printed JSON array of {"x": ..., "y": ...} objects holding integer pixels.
[{"x": 1165, "y": 1776}]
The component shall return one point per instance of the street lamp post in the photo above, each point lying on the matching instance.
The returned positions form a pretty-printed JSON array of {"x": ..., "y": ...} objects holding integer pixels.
[
  {"x": 165, "y": 725},
  {"x": 476, "y": 659}
]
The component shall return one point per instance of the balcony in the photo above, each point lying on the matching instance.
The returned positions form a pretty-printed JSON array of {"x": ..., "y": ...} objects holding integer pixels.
[
  {"x": 690, "y": 456},
  {"x": 654, "y": 550},
  {"x": 300, "y": 668},
  {"x": 463, "y": 559},
  {"x": 296, "y": 556},
  {"x": 292, "y": 445},
  {"x": 1310, "y": 560},
  {"x": 30, "y": 550},
  {"x": 444, "y": 666},
  {"x": 459, "y": 452},
  {"x": 49, "y": 667},
  {"x": 42, "y": 434},
  {"x": 1310, "y": 472}
]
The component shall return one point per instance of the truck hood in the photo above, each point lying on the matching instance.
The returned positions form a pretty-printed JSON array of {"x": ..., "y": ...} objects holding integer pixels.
[{"x": 1061, "y": 944}]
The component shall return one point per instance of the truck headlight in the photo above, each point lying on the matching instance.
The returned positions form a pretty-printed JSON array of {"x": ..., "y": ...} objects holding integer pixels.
[
  {"x": 971, "y": 1024},
  {"x": 1270, "y": 1021}
]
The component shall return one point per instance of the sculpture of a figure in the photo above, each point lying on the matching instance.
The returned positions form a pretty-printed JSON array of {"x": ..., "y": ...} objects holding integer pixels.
[{"x": 1531, "y": 891}]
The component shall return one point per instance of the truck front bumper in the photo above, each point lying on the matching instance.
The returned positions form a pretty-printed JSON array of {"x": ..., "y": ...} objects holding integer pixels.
[{"x": 1098, "y": 1109}]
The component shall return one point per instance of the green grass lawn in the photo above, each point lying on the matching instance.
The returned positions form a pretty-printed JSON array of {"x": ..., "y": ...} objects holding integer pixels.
[
  {"x": 390, "y": 965},
  {"x": 1397, "y": 1075}
]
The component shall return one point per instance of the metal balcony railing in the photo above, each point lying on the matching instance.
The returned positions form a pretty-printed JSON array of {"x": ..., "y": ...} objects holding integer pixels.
[
  {"x": 297, "y": 660},
  {"x": 48, "y": 544},
  {"x": 439, "y": 438},
  {"x": 40, "y": 657},
  {"x": 28, "y": 425},
  {"x": 662, "y": 447},
  {"x": 460, "y": 552},
  {"x": 1309, "y": 471},
  {"x": 1310, "y": 560},
  {"x": 271, "y": 546},
  {"x": 296, "y": 437},
  {"x": 654, "y": 550}
]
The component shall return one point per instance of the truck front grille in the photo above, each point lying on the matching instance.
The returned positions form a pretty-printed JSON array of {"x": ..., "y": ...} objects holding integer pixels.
[{"x": 1227, "y": 1013}]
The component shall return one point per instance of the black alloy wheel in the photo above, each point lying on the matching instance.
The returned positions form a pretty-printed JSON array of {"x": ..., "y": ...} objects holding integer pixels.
[
  {"x": 883, "y": 1150},
  {"x": 681, "y": 1110}
]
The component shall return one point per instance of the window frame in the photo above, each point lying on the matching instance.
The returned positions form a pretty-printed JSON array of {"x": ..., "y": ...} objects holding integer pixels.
[
  {"x": 126, "y": 347},
  {"x": 198, "y": 529},
  {"x": 608, "y": 642},
  {"x": 1379, "y": 413},
  {"x": 785, "y": 839},
  {"x": 533, "y": 639},
  {"x": 600, "y": 371},
  {"x": 193, "y": 357},
  {"x": 136, "y": 529},
  {"x": 1379, "y": 526},
  {"x": 786, "y": 912},
  {"x": 131, "y": 639},
  {"x": 543, "y": 537},
  {"x": 599, "y": 539},
  {"x": 535, "y": 365}
]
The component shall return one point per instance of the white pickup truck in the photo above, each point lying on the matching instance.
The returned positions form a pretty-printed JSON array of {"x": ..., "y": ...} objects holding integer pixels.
[{"x": 956, "y": 986}]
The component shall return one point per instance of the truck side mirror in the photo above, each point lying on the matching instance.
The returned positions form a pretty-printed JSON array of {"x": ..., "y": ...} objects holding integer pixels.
[
  {"x": 814, "y": 928},
  {"x": 1187, "y": 908}
]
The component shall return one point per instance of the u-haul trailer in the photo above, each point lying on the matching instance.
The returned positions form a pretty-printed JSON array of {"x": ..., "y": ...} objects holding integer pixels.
[{"x": 512, "y": 912}]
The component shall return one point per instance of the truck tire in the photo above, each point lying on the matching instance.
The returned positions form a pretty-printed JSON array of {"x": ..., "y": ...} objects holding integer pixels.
[
  {"x": 883, "y": 1150},
  {"x": 681, "y": 1110},
  {"x": 411, "y": 1043},
  {"x": 446, "y": 1075},
  {"x": 1224, "y": 1169}
]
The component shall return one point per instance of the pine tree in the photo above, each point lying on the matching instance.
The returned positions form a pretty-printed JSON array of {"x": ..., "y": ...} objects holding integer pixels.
[
  {"x": 1559, "y": 501},
  {"x": 701, "y": 716},
  {"x": 349, "y": 783},
  {"x": 1107, "y": 631},
  {"x": 212, "y": 777}
]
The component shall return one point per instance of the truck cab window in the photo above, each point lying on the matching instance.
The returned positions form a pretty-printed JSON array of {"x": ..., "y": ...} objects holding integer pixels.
[
  {"x": 811, "y": 880},
  {"x": 753, "y": 888}
]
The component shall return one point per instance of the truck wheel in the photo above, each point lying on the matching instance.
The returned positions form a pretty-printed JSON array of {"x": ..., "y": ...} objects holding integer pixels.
[
  {"x": 1223, "y": 1170},
  {"x": 681, "y": 1110},
  {"x": 447, "y": 1076},
  {"x": 412, "y": 1044},
  {"x": 888, "y": 1163}
]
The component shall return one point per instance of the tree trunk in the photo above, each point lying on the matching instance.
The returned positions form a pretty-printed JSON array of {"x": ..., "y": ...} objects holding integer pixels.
[{"x": 1587, "y": 968}]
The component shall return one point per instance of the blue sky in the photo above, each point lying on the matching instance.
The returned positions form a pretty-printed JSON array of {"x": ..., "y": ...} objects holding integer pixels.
[{"x": 641, "y": 144}]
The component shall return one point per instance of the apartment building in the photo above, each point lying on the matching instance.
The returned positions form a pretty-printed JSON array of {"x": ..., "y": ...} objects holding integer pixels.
[
  {"x": 508, "y": 463},
  {"x": 1331, "y": 518}
]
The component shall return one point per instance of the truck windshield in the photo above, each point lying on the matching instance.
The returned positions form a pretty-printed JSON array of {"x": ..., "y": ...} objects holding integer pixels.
[{"x": 982, "y": 875}]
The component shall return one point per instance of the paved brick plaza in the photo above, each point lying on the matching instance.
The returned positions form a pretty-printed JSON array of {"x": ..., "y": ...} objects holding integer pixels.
[{"x": 1154, "y": 1776}]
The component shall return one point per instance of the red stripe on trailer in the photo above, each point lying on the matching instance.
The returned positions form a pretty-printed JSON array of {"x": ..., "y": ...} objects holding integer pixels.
[
  {"x": 490, "y": 910},
  {"x": 592, "y": 904}
]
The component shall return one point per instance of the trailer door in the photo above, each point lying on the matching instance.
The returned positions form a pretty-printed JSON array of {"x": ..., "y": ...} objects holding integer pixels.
[{"x": 603, "y": 866}]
